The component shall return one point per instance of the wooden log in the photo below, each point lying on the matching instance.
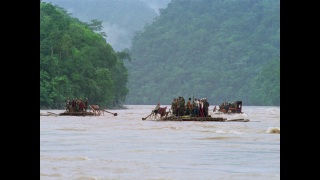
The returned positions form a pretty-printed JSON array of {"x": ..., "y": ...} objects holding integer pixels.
[{"x": 237, "y": 120}]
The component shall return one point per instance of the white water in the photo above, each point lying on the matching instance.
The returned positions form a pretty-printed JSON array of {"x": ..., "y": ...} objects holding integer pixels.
[{"x": 125, "y": 147}]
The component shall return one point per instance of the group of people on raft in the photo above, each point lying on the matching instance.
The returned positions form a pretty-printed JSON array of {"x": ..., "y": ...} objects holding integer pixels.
[
  {"x": 77, "y": 105},
  {"x": 194, "y": 108}
]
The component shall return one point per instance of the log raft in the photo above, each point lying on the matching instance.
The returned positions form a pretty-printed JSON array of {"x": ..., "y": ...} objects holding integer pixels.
[
  {"x": 187, "y": 118},
  {"x": 77, "y": 114},
  {"x": 182, "y": 118},
  {"x": 68, "y": 114}
]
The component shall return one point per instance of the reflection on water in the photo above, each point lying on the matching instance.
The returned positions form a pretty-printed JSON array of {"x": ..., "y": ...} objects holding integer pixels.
[{"x": 125, "y": 147}]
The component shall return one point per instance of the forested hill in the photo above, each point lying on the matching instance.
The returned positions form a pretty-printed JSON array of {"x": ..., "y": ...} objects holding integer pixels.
[
  {"x": 220, "y": 50},
  {"x": 120, "y": 18},
  {"x": 76, "y": 61}
]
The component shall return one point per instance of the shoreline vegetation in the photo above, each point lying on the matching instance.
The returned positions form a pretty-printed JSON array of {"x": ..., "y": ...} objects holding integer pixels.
[{"x": 77, "y": 62}]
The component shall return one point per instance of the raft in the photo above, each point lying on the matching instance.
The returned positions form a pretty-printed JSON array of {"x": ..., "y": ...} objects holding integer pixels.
[
  {"x": 188, "y": 118},
  {"x": 77, "y": 114}
]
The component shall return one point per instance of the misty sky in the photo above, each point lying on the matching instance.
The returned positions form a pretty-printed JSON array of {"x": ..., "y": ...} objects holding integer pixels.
[{"x": 156, "y": 4}]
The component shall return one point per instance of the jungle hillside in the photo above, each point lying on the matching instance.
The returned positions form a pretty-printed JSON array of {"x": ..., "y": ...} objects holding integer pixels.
[
  {"x": 120, "y": 18},
  {"x": 220, "y": 50},
  {"x": 77, "y": 62}
]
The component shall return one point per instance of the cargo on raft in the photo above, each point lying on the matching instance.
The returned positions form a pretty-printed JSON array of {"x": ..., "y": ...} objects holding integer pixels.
[{"x": 229, "y": 108}]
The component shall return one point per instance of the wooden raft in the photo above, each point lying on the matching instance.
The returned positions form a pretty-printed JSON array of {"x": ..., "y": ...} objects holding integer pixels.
[
  {"x": 76, "y": 114},
  {"x": 173, "y": 118},
  {"x": 187, "y": 118}
]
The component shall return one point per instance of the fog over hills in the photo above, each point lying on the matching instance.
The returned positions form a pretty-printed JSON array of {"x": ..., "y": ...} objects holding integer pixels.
[
  {"x": 156, "y": 4},
  {"x": 121, "y": 19}
]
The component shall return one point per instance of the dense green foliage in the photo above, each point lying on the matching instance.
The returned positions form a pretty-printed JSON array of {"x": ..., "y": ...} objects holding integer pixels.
[
  {"x": 121, "y": 18},
  {"x": 76, "y": 61},
  {"x": 222, "y": 50}
]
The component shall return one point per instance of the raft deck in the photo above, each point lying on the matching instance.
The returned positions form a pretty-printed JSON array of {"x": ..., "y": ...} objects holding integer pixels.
[
  {"x": 77, "y": 114},
  {"x": 187, "y": 118}
]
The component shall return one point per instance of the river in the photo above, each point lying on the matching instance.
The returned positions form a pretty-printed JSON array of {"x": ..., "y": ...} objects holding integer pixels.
[{"x": 126, "y": 147}]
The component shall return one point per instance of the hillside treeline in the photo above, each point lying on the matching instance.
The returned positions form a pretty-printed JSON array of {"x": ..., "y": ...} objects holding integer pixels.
[
  {"x": 77, "y": 62},
  {"x": 221, "y": 50},
  {"x": 121, "y": 18}
]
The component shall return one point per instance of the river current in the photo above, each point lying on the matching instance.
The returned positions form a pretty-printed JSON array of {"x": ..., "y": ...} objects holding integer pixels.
[{"x": 126, "y": 147}]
